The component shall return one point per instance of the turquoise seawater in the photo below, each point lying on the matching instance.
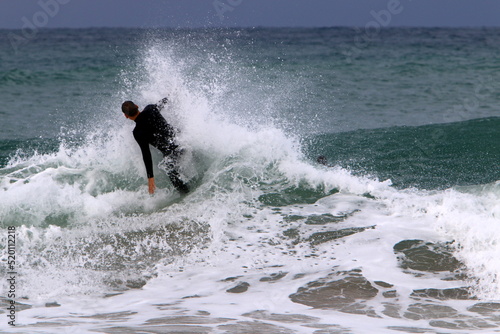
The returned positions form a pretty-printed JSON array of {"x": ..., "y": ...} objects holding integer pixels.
[{"x": 396, "y": 233}]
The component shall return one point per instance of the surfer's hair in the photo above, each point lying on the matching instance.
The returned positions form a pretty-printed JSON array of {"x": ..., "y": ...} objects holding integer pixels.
[{"x": 130, "y": 109}]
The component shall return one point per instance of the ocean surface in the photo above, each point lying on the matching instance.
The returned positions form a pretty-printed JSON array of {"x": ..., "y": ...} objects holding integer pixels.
[{"x": 397, "y": 232}]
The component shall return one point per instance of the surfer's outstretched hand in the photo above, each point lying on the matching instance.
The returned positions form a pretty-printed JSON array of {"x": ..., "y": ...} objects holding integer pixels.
[{"x": 151, "y": 185}]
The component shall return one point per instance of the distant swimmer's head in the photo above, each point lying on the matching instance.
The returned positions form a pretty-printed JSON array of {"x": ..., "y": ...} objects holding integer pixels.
[
  {"x": 130, "y": 109},
  {"x": 322, "y": 160}
]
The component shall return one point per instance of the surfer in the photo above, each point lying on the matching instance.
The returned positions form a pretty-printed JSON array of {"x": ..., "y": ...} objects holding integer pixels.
[{"x": 151, "y": 128}]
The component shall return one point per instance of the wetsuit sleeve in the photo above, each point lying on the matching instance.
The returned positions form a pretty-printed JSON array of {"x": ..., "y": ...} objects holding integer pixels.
[
  {"x": 146, "y": 156},
  {"x": 161, "y": 104}
]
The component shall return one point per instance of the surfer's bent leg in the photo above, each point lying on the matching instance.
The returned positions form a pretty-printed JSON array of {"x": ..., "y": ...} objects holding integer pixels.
[
  {"x": 177, "y": 182},
  {"x": 173, "y": 174}
]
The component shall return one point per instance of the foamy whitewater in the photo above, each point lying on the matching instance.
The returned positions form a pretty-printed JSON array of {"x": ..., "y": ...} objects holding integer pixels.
[{"x": 268, "y": 240}]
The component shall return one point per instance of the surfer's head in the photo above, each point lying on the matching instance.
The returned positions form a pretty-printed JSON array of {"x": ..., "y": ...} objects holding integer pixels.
[{"x": 130, "y": 109}]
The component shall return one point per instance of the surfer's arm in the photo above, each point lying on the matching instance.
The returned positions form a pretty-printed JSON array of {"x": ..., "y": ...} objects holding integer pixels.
[
  {"x": 146, "y": 156},
  {"x": 161, "y": 104},
  {"x": 148, "y": 162}
]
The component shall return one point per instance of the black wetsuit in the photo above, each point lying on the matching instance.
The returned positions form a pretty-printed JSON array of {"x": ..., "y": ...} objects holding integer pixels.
[{"x": 151, "y": 128}]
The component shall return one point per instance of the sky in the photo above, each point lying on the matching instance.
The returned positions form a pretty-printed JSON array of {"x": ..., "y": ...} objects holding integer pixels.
[{"x": 23, "y": 14}]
